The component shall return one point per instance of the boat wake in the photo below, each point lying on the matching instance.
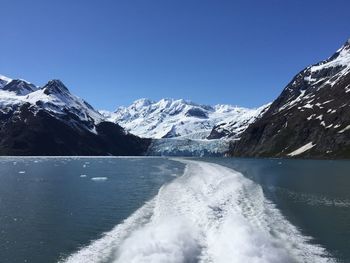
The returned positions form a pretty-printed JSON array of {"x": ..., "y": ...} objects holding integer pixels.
[{"x": 210, "y": 214}]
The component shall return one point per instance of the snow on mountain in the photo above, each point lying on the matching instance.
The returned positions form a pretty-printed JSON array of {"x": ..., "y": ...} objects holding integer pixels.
[
  {"x": 18, "y": 86},
  {"x": 4, "y": 81},
  {"x": 53, "y": 98},
  {"x": 184, "y": 128},
  {"x": 309, "y": 118},
  {"x": 301, "y": 91},
  {"x": 49, "y": 120},
  {"x": 232, "y": 127},
  {"x": 170, "y": 118}
]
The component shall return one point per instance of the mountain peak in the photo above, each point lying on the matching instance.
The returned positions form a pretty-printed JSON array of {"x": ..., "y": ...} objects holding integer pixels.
[
  {"x": 345, "y": 46},
  {"x": 142, "y": 102},
  {"x": 312, "y": 110},
  {"x": 55, "y": 86},
  {"x": 56, "y": 82},
  {"x": 20, "y": 87},
  {"x": 179, "y": 118},
  {"x": 344, "y": 50},
  {"x": 337, "y": 63}
]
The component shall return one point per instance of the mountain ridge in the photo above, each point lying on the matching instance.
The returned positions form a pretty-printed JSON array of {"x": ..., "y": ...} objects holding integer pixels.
[
  {"x": 309, "y": 119},
  {"x": 49, "y": 120},
  {"x": 179, "y": 118}
]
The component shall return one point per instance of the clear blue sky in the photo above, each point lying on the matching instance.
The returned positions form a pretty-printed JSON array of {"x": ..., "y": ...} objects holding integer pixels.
[{"x": 112, "y": 52}]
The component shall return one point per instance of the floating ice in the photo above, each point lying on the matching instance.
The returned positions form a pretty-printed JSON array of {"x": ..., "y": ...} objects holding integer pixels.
[{"x": 99, "y": 178}]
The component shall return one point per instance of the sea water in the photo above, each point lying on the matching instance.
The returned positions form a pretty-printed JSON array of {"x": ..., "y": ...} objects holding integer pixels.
[{"x": 174, "y": 210}]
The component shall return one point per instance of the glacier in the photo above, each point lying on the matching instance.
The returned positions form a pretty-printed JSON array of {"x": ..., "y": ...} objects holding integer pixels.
[{"x": 180, "y": 127}]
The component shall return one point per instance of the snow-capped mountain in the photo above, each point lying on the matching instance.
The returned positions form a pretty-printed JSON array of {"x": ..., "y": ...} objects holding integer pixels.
[
  {"x": 311, "y": 117},
  {"x": 180, "y": 127},
  {"x": 234, "y": 125},
  {"x": 54, "y": 98},
  {"x": 49, "y": 120},
  {"x": 170, "y": 118},
  {"x": 17, "y": 86}
]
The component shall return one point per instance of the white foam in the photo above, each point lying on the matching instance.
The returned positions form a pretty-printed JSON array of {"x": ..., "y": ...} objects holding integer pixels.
[
  {"x": 210, "y": 214},
  {"x": 101, "y": 250},
  {"x": 83, "y": 175},
  {"x": 22, "y": 172}
]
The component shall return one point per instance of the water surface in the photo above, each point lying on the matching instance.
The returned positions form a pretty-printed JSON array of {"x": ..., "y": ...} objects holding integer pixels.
[
  {"x": 49, "y": 207},
  {"x": 174, "y": 210}
]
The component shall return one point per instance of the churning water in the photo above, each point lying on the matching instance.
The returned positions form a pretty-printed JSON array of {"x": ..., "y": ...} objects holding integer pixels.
[{"x": 174, "y": 210}]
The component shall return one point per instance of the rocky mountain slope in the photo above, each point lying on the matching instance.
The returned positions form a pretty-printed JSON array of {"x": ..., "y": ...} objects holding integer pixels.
[
  {"x": 310, "y": 118},
  {"x": 233, "y": 126},
  {"x": 49, "y": 120}
]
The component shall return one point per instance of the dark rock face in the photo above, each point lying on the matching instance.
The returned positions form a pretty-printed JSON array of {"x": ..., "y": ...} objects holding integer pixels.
[
  {"x": 217, "y": 132},
  {"x": 19, "y": 87},
  {"x": 228, "y": 130},
  {"x": 196, "y": 112},
  {"x": 310, "y": 118},
  {"x": 172, "y": 133},
  {"x": 24, "y": 133},
  {"x": 44, "y": 128}
]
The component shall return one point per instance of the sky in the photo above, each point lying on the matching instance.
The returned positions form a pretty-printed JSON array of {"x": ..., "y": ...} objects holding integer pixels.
[{"x": 112, "y": 52}]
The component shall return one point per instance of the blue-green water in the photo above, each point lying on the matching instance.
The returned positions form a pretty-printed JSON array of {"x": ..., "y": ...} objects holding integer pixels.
[
  {"x": 174, "y": 210},
  {"x": 49, "y": 211}
]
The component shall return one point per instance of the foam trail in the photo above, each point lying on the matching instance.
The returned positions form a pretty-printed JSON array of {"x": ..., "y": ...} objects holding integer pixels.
[
  {"x": 102, "y": 249},
  {"x": 210, "y": 214}
]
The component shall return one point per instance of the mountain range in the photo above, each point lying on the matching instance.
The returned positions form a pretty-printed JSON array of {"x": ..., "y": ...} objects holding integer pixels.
[
  {"x": 309, "y": 119},
  {"x": 49, "y": 120},
  {"x": 169, "y": 118},
  {"x": 180, "y": 127}
]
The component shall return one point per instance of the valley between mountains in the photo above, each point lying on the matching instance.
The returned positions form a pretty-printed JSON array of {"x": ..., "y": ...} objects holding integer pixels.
[{"x": 309, "y": 119}]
